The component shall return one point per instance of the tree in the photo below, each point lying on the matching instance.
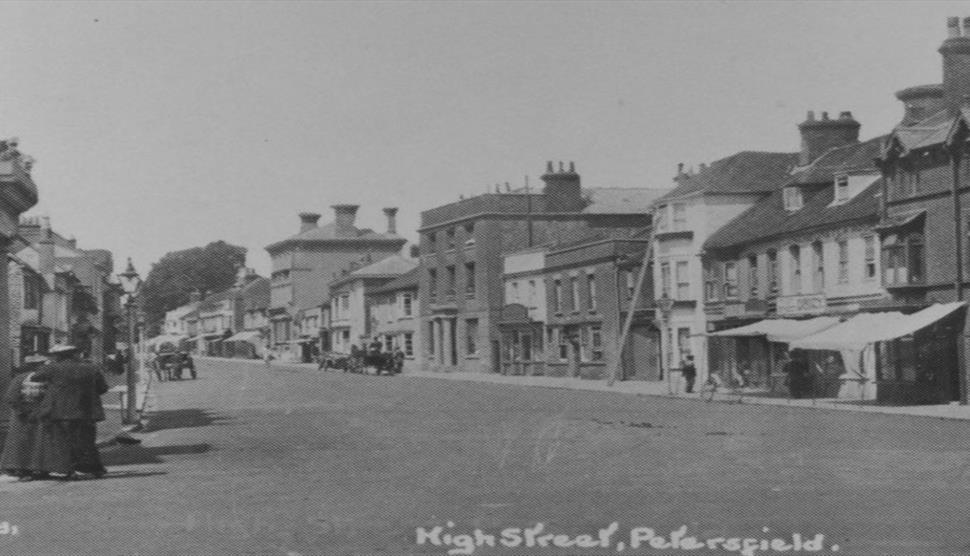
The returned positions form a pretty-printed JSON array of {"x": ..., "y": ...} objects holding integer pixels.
[{"x": 172, "y": 279}]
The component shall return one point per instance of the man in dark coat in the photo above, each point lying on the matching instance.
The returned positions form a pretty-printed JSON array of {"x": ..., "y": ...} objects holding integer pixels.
[
  {"x": 689, "y": 371},
  {"x": 70, "y": 413}
]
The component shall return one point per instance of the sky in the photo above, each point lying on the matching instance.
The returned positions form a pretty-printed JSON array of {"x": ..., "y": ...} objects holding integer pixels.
[{"x": 163, "y": 126}]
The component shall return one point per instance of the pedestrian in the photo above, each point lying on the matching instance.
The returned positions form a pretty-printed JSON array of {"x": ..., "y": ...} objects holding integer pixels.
[
  {"x": 796, "y": 371},
  {"x": 24, "y": 394},
  {"x": 689, "y": 372},
  {"x": 186, "y": 362},
  {"x": 399, "y": 357},
  {"x": 69, "y": 415},
  {"x": 267, "y": 356}
]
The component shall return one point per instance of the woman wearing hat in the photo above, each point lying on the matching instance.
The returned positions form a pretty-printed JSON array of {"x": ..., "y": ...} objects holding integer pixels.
[
  {"x": 70, "y": 413},
  {"x": 24, "y": 394}
]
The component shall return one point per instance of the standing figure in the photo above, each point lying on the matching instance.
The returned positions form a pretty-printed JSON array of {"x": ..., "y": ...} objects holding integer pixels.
[
  {"x": 69, "y": 415},
  {"x": 398, "y": 360},
  {"x": 24, "y": 396},
  {"x": 186, "y": 362},
  {"x": 796, "y": 369},
  {"x": 689, "y": 372}
]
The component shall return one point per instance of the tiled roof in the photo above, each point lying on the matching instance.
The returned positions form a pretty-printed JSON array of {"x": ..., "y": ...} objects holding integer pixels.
[
  {"x": 929, "y": 131},
  {"x": 769, "y": 219},
  {"x": 406, "y": 281},
  {"x": 743, "y": 172},
  {"x": 620, "y": 200},
  {"x": 255, "y": 294},
  {"x": 848, "y": 158}
]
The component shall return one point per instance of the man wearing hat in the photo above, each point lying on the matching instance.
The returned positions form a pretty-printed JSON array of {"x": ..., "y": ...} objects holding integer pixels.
[{"x": 70, "y": 413}]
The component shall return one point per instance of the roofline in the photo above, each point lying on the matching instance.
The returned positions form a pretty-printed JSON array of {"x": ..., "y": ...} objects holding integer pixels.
[
  {"x": 772, "y": 237},
  {"x": 533, "y": 215},
  {"x": 334, "y": 241}
]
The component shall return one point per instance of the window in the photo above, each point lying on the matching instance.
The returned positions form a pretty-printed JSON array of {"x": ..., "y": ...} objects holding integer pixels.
[
  {"x": 470, "y": 233},
  {"x": 450, "y": 284},
  {"x": 841, "y": 189},
  {"x": 843, "y": 261},
  {"x": 680, "y": 217},
  {"x": 818, "y": 258},
  {"x": 730, "y": 280},
  {"x": 471, "y": 337},
  {"x": 596, "y": 342},
  {"x": 870, "y": 268},
  {"x": 432, "y": 284},
  {"x": 470, "y": 280},
  {"x": 795, "y": 270},
  {"x": 407, "y": 304},
  {"x": 31, "y": 292},
  {"x": 772, "y": 257},
  {"x": 345, "y": 302},
  {"x": 903, "y": 259},
  {"x": 710, "y": 283},
  {"x": 753, "y": 276},
  {"x": 631, "y": 284},
  {"x": 574, "y": 292},
  {"x": 513, "y": 296},
  {"x": 432, "y": 244},
  {"x": 665, "y": 279},
  {"x": 792, "y": 198},
  {"x": 533, "y": 295},
  {"x": 557, "y": 295},
  {"x": 591, "y": 292},
  {"x": 388, "y": 343},
  {"x": 660, "y": 218},
  {"x": 409, "y": 344},
  {"x": 683, "y": 280},
  {"x": 914, "y": 181},
  {"x": 450, "y": 237},
  {"x": 563, "y": 344},
  {"x": 431, "y": 339}
]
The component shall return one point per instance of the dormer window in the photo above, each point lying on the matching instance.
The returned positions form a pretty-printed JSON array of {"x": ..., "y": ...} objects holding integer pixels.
[
  {"x": 792, "y": 198},
  {"x": 841, "y": 188}
]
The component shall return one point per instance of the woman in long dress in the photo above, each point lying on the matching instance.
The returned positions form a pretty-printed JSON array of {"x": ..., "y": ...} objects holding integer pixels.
[{"x": 21, "y": 457}]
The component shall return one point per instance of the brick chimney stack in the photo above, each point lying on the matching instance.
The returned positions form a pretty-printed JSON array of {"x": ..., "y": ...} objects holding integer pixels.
[
  {"x": 344, "y": 216},
  {"x": 956, "y": 63},
  {"x": 391, "y": 214},
  {"x": 921, "y": 102},
  {"x": 821, "y": 135},
  {"x": 562, "y": 190},
  {"x": 308, "y": 221}
]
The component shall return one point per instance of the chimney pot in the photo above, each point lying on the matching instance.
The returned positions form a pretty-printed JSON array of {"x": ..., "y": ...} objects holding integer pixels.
[
  {"x": 308, "y": 221},
  {"x": 953, "y": 27},
  {"x": 825, "y": 116},
  {"x": 344, "y": 216},
  {"x": 549, "y": 167},
  {"x": 560, "y": 167},
  {"x": 846, "y": 115},
  {"x": 572, "y": 167},
  {"x": 680, "y": 168},
  {"x": 811, "y": 116},
  {"x": 391, "y": 214}
]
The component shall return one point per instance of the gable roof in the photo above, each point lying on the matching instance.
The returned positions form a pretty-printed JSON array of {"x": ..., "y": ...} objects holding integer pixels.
[
  {"x": 742, "y": 172},
  {"x": 845, "y": 159}
]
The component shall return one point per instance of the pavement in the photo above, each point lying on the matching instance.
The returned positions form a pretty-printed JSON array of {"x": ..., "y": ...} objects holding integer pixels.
[
  {"x": 290, "y": 461},
  {"x": 675, "y": 390}
]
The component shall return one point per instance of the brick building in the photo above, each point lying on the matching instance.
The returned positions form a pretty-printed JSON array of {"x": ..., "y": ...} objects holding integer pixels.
[
  {"x": 924, "y": 227},
  {"x": 462, "y": 246},
  {"x": 303, "y": 266},
  {"x": 807, "y": 250}
]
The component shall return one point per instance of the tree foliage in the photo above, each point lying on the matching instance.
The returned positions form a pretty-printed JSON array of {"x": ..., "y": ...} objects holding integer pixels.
[{"x": 171, "y": 280}]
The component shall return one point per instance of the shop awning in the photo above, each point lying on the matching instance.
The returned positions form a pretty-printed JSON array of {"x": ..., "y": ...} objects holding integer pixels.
[
  {"x": 867, "y": 328},
  {"x": 781, "y": 330},
  {"x": 251, "y": 336}
]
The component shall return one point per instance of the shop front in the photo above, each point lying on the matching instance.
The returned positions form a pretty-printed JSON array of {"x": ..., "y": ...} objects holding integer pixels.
[{"x": 521, "y": 351}]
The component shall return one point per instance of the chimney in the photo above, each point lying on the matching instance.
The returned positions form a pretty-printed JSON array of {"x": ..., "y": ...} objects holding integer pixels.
[
  {"x": 956, "y": 63},
  {"x": 920, "y": 102},
  {"x": 344, "y": 216},
  {"x": 562, "y": 190},
  {"x": 818, "y": 136},
  {"x": 308, "y": 221},
  {"x": 391, "y": 214},
  {"x": 72, "y": 242}
]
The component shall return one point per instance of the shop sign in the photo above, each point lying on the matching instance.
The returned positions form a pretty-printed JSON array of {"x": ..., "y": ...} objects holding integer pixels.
[{"x": 801, "y": 304}]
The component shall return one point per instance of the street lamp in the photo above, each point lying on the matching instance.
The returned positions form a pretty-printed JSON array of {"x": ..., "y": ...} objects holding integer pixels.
[
  {"x": 130, "y": 284},
  {"x": 665, "y": 304}
]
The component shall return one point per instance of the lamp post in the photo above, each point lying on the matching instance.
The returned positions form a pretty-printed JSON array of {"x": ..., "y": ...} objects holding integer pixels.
[
  {"x": 131, "y": 284},
  {"x": 665, "y": 304}
]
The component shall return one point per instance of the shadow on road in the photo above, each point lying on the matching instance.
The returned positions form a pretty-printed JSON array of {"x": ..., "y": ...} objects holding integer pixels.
[
  {"x": 182, "y": 419},
  {"x": 130, "y": 455}
]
